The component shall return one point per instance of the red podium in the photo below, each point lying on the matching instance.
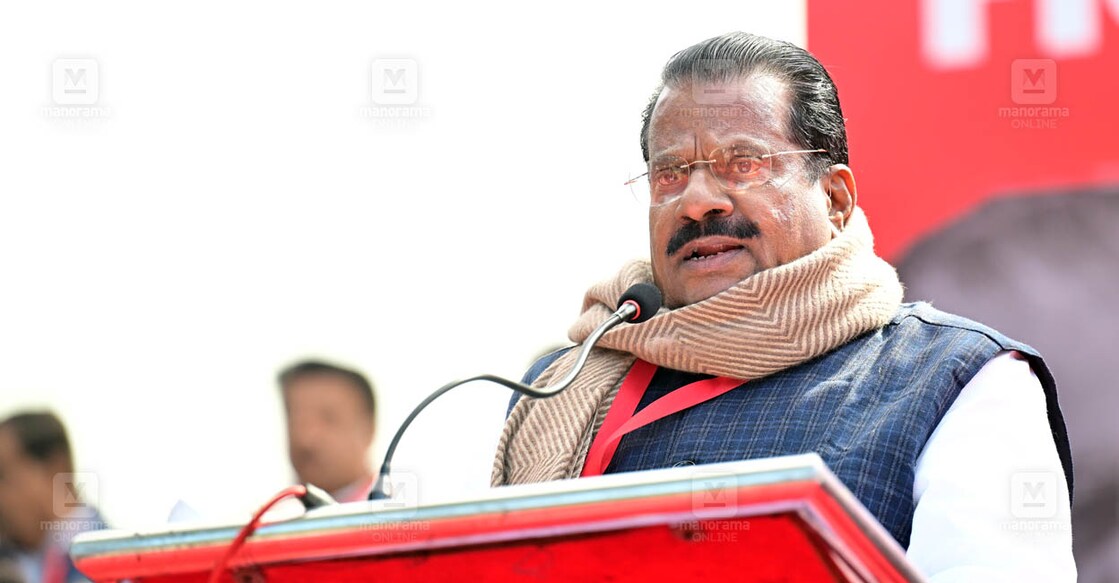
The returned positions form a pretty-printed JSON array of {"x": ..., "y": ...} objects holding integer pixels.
[{"x": 781, "y": 519}]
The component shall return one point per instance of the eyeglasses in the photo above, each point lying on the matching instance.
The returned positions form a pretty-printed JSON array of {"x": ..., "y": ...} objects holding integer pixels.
[{"x": 737, "y": 168}]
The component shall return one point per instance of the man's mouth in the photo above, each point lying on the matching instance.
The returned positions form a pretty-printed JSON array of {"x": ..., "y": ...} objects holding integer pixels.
[{"x": 710, "y": 250}]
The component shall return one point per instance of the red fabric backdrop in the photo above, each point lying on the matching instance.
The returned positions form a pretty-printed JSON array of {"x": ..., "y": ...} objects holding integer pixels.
[{"x": 928, "y": 140}]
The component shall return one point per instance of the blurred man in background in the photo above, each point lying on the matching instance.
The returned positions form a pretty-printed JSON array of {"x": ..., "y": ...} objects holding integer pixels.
[
  {"x": 41, "y": 506},
  {"x": 331, "y": 412}
]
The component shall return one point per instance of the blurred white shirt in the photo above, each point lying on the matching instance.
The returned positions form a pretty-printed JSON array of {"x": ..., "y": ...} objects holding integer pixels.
[{"x": 992, "y": 501}]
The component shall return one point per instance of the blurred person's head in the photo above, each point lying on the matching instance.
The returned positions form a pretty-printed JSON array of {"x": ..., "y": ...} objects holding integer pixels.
[
  {"x": 34, "y": 449},
  {"x": 330, "y": 420}
]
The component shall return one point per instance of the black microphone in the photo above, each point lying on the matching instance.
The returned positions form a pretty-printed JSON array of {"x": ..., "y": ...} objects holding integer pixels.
[
  {"x": 638, "y": 304},
  {"x": 645, "y": 298}
]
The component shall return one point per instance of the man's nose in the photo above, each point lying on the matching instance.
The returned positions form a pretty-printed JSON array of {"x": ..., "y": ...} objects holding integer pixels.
[{"x": 702, "y": 197}]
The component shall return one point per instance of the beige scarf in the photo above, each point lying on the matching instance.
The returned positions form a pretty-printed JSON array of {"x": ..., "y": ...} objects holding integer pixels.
[{"x": 770, "y": 321}]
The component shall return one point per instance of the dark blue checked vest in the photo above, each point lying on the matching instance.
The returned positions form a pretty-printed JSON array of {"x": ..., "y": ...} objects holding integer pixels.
[{"x": 867, "y": 408}]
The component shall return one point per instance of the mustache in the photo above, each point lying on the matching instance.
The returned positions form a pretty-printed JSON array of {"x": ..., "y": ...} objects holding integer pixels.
[{"x": 736, "y": 227}]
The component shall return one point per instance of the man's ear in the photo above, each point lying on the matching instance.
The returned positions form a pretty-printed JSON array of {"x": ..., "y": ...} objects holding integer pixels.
[{"x": 839, "y": 186}]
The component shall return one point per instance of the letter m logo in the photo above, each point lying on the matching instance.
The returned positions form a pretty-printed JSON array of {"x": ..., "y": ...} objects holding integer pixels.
[
  {"x": 395, "y": 81},
  {"x": 75, "y": 80},
  {"x": 1034, "y": 494},
  {"x": 1033, "y": 81}
]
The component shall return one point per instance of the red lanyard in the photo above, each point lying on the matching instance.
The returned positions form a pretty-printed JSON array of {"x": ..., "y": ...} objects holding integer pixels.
[{"x": 621, "y": 419}]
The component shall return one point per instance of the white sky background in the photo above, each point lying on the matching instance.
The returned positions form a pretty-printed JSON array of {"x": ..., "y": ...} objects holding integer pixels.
[{"x": 235, "y": 212}]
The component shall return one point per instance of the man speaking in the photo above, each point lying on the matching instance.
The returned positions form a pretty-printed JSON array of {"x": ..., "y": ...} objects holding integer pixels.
[{"x": 784, "y": 333}]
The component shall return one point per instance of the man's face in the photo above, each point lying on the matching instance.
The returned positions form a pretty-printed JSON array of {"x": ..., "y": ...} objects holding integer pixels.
[
  {"x": 771, "y": 224},
  {"x": 329, "y": 430},
  {"x": 26, "y": 493}
]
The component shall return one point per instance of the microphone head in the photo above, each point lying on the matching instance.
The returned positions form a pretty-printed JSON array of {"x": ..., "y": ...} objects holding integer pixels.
[{"x": 645, "y": 297}]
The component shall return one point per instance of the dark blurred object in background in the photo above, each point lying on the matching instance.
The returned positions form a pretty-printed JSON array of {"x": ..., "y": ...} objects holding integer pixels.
[{"x": 1045, "y": 269}]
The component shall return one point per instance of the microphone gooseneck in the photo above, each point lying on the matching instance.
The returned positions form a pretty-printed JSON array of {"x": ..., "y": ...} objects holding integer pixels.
[{"x": 639, "y": 303}]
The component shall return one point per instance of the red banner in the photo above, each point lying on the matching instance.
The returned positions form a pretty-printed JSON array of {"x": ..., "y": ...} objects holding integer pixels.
[{"x": 949, "y": 102}]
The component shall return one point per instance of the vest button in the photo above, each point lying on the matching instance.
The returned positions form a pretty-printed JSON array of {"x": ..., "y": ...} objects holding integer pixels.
[{"x": 683, "y": 463}]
